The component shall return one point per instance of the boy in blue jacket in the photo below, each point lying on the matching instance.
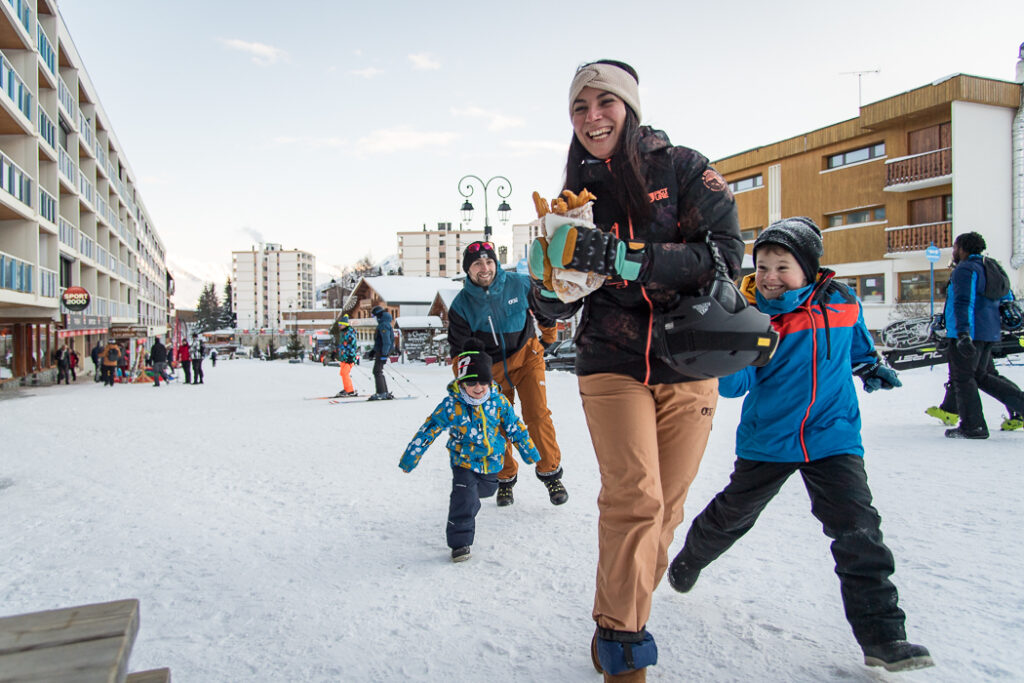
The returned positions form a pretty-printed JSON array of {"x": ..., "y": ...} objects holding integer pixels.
[
  {"x": 801, "y": 415},
  {"x": 474, "y": 412}
]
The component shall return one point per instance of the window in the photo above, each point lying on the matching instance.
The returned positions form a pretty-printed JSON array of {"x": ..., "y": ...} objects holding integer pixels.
[
  {"x": 859, "y": 216},
  {"x": 914, "y": 286},
  {"x": 856, "y": 155},
  {"x": 750, "y": 234},
  {"x": 745, "y": 184},
  {"x": 870, "y": 288}
]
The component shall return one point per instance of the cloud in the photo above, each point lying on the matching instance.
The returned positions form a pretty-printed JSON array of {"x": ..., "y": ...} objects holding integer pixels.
[
  {"x": 368, "y": 72},
  {"x": 498, "y": 121},
  {"x": 524, "y": 148},
  {"x": 402, "y": 138},
  {"x": 424, "y": 61},
  {"x": 256, "y": 235},
  {"x": 311, "y": 142},
  {"x": 261, "y": 54}
]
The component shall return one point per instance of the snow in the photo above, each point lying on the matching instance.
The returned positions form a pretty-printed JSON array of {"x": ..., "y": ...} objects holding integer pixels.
[{"x": 271, "y": 538}]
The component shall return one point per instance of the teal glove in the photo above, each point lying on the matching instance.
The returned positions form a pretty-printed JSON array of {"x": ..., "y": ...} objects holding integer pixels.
[
  {"x": 591, "y": 250},
  {"x": 540, "y": 268}
]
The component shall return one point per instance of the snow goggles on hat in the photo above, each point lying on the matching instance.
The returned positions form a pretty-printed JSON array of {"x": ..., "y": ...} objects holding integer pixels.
[{"x": 480, "y": 246}]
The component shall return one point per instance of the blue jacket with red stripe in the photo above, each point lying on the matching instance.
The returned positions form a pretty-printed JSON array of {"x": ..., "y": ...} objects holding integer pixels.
[{"x": 802, "y": 405}]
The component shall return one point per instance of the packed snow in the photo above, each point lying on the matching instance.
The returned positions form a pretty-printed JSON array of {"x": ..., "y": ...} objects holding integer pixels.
[{"x": 273, "y": 538}]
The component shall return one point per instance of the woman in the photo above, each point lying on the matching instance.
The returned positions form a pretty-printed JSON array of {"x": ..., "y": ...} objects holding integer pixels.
[{"x": 656, "y": 205}]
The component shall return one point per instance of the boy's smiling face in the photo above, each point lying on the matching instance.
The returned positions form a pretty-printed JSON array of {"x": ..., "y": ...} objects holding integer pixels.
[
  {"x": 777, "y": 272},
  {"x": 475, "y": 389}
]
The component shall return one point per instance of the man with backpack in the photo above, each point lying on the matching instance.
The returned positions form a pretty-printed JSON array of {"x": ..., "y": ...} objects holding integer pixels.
[{"x": 972, "y": 320}]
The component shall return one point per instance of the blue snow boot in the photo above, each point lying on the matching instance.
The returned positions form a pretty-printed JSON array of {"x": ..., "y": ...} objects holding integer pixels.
[{"x": 624, "y": 653}]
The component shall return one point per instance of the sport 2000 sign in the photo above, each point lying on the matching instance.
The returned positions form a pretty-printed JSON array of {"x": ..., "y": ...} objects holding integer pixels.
[{"x": 75, "y": 299}]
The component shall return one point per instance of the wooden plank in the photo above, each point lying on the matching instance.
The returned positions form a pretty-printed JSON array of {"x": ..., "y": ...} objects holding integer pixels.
[
  {"x": 151, "y": 676},
  {"x": 83, "y": 643}
]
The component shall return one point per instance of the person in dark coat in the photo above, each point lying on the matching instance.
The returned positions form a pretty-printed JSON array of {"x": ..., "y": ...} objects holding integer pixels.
[
  {"x": 95, "y": 354},
  {"x": 110, "y": 357},
  {"x": 383, "y": 342},
  {"x": 63, "y": 357},
  {"x": 973, "y": 328},
  {"x": 158, "y": 357},
  {"x": 196, "y": 352},
  {"x": 73, "y": 356}
]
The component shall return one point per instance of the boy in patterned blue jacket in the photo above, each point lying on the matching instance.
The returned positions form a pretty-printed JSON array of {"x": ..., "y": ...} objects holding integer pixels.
[
  {"x": 474, "y": 412},
  {"x": 801, "y": 415}
]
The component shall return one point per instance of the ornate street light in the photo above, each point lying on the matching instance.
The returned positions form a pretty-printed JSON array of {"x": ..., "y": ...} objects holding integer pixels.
[{"x": 503, "y": 190}]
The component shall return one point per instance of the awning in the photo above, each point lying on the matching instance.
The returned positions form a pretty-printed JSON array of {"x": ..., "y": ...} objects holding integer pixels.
[{"x": 80, "y": 333}]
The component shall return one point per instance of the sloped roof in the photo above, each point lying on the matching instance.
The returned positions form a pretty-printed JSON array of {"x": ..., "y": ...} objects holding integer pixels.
[
  {"x": 409, "y": 289},
  {"x": 418, "y": 322}
]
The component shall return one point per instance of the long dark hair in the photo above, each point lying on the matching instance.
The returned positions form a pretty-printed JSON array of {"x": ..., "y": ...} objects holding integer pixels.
[{"x": 625, "y": 162}]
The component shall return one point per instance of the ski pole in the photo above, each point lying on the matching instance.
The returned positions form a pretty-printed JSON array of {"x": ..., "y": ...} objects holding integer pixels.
[{"x": 396, "y": 373}]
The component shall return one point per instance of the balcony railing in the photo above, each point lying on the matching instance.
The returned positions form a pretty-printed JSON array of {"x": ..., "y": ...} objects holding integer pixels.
[
  {"x": 101, "y": 153},
  {"x": 66, "y": 98},
  {"x": 86, "y": 245},
  {"x": 46, "y": 50},
  {"x": 101, "y": 207},
  {"x": 22, "y": 11},
  {"x": 85, "y": 187},
  {"x": 15, "y": 88},
  {"x": 67, "y": 165},
  {"x": 15, "y": 180},
  {"x": 15, "y": 274},
  {"x": 68, "y": 233},
  {"x": 919, "y": 167},
  {"x": 85, "y": 129},
  {"x": 47, "y": 282},
  {"x": 918, "y": 237},
  {"x": 47, "y": 130},
  {"x": 47, "y": 206}
]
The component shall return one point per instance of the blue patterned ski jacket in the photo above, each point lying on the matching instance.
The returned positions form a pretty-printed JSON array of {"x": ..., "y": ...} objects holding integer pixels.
[
  {"x": 347, "y": 346},
  {"x": 474, "y": 433},
  {"x": 802, "y": 405}
]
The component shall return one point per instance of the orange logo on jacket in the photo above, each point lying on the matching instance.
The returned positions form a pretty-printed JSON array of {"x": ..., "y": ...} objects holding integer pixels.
[{"x": 659, "y": 194}]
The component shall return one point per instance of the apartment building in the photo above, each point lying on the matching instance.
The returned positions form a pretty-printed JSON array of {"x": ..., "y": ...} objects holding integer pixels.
[
  {"x": 435, "y": 253},
  {"x": 910, "y": 171},
  {"x": 268, "y": 282},
  {"x": 70, "y": 212}
]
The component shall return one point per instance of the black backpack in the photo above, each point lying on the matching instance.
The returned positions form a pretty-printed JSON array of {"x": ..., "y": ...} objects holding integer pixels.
[{"x": 997, "y": 282}]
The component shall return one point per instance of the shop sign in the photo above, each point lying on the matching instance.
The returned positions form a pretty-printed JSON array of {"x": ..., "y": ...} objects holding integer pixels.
[{"x": 75, "y": 298}]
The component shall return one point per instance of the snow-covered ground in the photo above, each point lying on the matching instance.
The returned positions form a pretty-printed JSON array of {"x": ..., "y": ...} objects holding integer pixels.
[{"x": 271, "y": 538}]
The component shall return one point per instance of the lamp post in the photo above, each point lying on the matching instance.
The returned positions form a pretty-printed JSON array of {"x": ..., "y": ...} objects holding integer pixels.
[{"x": 503, "y": 190}]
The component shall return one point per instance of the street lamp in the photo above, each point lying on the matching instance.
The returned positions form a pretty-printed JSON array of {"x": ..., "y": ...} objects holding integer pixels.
[{"x": 503, "y": 190}]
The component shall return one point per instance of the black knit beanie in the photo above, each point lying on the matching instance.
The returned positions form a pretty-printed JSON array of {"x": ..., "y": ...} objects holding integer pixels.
[
  {"x": 799, "y": 236},
  {"x": 477, "y": 250},
  {"x": 473, "y": 363}
]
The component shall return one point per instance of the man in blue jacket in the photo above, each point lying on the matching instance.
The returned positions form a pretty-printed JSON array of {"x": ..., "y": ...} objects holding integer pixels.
[
  {"x": 972, "y": 326},
  {"x": 383, "y": 342}
]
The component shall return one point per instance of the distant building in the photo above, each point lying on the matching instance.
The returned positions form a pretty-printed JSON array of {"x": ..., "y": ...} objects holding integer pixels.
[
  {"x": 267, "y": 282},
  {"x": 434, "y": 253},
  {"x": 910, "y": 171},
  {"x": 400, "y": 295},
  {"x": 70, "y": 212}
]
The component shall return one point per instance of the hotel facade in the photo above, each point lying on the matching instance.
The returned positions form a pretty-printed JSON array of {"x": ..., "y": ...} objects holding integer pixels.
[{"x": 70, "y": 211}]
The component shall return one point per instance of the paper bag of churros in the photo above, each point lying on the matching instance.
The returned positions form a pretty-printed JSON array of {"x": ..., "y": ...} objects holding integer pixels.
[{"x": 568, "y": 209}]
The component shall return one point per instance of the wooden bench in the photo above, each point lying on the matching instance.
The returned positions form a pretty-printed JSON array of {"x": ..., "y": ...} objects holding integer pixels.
[{"x": 74, "y": 644}]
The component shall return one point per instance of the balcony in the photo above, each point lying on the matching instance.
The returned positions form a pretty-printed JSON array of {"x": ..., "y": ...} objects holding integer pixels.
[
  {"x": 68, "y": 233},
  {"x": 46, "y": 50},
  {"x": 919, "y": 171},
  {"x": 15, "y": 180},
  {"x": 15, "y": 274},
  {"x": 906, "y": 238},
  {"x": 47, "y": 206},
  {"x": 66, "y": 99},
  {"x": 46, "y": 129},
  {"x": 22, "y": 11},
  {"x": 47, "y": 282},
  {"x": 15, "y": 89}
]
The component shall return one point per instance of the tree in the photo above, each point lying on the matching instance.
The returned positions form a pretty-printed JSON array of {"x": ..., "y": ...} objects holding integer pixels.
[
  {"x": 208, "y": 309},
  {"x": 294, "y": 345},
  {"x": 228, "y": 319}
]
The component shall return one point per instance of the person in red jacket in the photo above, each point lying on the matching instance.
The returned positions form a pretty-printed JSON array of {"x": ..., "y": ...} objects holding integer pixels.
[{"x": 185, "y": 360}]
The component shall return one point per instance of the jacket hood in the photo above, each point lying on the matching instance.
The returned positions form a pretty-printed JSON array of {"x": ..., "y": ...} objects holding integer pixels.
[
  {"x": 652, "y": 139},
  {"x": 748, "y": 289},
  {"x": 384, "y": 319}
]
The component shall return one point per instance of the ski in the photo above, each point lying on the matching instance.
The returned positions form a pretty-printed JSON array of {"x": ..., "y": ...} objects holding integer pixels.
[
  {"x": 333, "y": 398},
  {"x": 363, "y": 399}
]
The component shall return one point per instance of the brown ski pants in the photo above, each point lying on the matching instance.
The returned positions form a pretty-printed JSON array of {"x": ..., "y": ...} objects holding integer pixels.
[{"x": 649, "y": 441}]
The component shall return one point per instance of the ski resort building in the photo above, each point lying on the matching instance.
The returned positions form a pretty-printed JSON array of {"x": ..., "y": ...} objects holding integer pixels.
[{"x": 911, "y": 171}]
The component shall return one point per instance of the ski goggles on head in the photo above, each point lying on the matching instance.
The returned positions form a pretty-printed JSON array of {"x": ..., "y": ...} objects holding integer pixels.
[{"x": 474, "y": 247}]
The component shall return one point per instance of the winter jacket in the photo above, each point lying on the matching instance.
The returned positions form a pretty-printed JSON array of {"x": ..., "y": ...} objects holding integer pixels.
[
  {"x": 183, "y": 353},
  {"x": 384, "y": 337},
  {"x": 475, "y": 439},
  {"x": 967, "y": 308},
  {"x": 158, "y": 352},
  {"x": 802, "y": 405},
  {"x": 689, "y": 200},
  {"x": 95, "y": 353},
  {"x": 347, "y": 346},
  {"x": 110, "y": 355},
  {"x": 197, "y": 351},
  {"x": 499, "y": 316}
]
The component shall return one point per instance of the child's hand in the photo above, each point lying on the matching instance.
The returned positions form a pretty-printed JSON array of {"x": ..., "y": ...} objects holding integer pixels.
[{"x": 878, "y": 376}]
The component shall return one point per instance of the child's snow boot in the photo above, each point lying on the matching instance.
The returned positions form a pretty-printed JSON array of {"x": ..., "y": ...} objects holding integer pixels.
[
  {"x": 947, "y": 418},
  {"x": 897, "y": 655},
  {"x": 556, "y": 490},
  {"x": 1013, "y": 423},
  {"x": 505, "y": 497},
  {"x": 460, "y": 554}
]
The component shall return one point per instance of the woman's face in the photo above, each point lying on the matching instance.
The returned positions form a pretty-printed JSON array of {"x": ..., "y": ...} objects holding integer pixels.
[{"x": 598, "y": 118}]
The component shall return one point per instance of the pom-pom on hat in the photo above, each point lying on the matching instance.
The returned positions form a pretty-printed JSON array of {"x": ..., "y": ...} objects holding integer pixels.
[
  {"x": 343, "y": 320},
  {"x": 799, "y": 236},
  {"x": 473, "y": 364}
]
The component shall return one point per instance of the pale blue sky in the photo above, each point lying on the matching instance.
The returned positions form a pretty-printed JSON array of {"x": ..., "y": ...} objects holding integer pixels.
[{"x": 328, "y": 126}]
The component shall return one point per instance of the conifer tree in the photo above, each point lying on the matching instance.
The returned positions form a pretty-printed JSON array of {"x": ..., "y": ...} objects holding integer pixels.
[{"x": 208, "y": 309}]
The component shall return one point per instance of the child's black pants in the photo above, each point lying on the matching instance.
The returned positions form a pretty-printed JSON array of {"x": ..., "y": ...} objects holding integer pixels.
[
  {"x": 468, "y": 487},
  {"x": 841, "y": 501}
]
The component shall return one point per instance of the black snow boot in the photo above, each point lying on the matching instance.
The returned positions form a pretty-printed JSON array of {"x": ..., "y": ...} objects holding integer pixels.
[
  {"x": 505, "y": 497},
  {"x": 556, "y": 490},
  {"x": 961, "y": 433},
  {"x": 897, "y": 655},
  {"x": 682, "y": 574},
  {"x": 460, "y": 554}
]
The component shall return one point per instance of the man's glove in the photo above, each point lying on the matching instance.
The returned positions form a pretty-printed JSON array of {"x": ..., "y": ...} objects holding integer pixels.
[
  {"x": 540, "y": 268},
  {"x": 594, "y": 251},
  {"x": 877, "y": 376},
  {"x": 964, "y": 345}
]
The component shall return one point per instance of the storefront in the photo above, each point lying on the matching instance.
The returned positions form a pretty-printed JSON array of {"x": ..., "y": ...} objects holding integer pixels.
[{"x": 26, "y": 347}]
